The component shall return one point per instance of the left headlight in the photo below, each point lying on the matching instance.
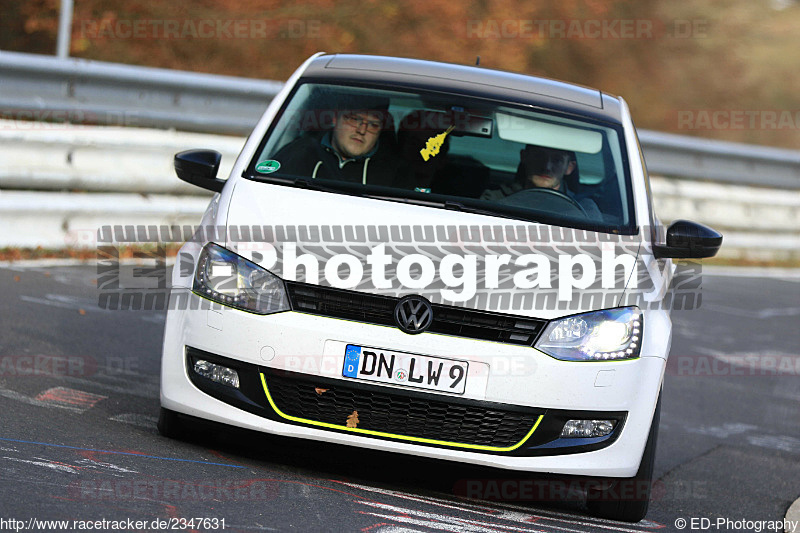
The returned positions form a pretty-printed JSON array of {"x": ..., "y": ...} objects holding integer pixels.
[
  {"x": 234, "y": 281},
  {"x": 610, "y": 334}
]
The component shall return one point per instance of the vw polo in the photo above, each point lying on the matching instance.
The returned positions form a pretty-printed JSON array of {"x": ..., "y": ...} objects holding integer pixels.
[{"x": 438, "y": 260}]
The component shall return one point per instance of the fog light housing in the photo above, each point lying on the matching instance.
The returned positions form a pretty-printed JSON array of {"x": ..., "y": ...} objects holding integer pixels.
[
  {"x": 220, "y": 374},
  {"x": 587, "y": 428}
]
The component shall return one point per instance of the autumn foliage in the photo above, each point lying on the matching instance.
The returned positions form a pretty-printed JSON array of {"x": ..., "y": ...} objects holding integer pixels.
[{"x": 668, "y": 59}]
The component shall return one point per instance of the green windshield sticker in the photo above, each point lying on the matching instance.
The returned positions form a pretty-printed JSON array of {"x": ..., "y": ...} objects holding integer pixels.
[{"x": 268, "y": 166}]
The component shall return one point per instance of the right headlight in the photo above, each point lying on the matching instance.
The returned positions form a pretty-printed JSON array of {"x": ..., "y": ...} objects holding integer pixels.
[
  {"x": 234, "y": 281},
  {"x": 610, "y": 334}
]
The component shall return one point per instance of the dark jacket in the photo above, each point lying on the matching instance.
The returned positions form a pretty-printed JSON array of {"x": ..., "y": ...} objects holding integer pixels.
[{"x": 311, "y": 157}]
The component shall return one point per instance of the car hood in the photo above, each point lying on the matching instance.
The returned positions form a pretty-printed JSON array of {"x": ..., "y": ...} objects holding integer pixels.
[{"x": 450, "y": 257}]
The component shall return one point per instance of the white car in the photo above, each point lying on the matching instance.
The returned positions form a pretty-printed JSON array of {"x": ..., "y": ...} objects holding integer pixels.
[{"x": 439, "y": 260}]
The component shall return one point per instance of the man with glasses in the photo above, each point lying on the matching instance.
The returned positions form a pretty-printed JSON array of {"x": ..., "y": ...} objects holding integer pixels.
[
  {"x": 355, "y": 133},
  {"x": 351, "y": 151}
]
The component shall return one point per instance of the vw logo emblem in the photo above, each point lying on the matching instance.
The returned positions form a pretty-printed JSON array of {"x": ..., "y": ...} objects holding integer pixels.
[{"x": 413, "y": 314}]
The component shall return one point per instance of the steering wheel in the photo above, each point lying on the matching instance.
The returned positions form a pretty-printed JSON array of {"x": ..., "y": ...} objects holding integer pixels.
[{"x": 548, "y": 200}]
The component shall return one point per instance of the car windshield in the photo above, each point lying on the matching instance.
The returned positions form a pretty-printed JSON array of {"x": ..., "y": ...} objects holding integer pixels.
[{"x": 450, "y": 151}]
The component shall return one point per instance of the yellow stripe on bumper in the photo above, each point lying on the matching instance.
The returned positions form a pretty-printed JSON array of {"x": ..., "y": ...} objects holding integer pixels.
[{"x": 395, "y": 436}]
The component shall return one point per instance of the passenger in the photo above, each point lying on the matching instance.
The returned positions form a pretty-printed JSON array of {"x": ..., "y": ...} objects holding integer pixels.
[
  {"x": 545, "y": 168},
  {"x": 351, "y": 151}
]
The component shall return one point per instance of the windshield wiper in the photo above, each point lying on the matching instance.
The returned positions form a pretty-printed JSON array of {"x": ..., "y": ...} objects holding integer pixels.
[
  {"x": 458, "y": 206},
  {"x": 395, "y": 195},
  {"x": 451, "y": 205},
  {"x": 311, "y": 184}
]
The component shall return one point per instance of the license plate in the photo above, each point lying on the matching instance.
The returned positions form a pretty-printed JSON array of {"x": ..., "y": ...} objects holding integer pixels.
[{"x": 410, "y": 370}]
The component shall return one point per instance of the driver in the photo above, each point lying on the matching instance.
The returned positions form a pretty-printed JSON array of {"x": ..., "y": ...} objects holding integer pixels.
[{"x": 545, "y": 168}]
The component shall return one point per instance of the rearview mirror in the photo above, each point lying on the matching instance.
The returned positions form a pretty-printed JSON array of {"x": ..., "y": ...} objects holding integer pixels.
[
  {"x": 689, "y": 240},
  {"x": 199, "y": 167}
]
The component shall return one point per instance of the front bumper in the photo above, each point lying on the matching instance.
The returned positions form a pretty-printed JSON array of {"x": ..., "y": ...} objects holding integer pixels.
[{"x": 309, "y": 351}]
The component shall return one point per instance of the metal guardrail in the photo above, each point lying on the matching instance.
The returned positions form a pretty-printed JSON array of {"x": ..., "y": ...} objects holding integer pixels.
[
  {"x": 43, "y": 87},
  {"x": 39, "y": 87},
  {"x": 680, "y": 156}
]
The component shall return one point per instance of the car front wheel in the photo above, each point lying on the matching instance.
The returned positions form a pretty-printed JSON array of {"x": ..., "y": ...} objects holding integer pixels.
[
  {"x": 627, "y": 499},
  {"x": 168, "y": 424}
]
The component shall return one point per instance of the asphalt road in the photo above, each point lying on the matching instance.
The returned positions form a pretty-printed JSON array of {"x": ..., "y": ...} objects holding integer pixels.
[{"x": 79, "y": 401}]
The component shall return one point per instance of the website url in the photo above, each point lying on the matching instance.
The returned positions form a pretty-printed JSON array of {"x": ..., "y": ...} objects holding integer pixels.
[{"x": 14, "y": 524}]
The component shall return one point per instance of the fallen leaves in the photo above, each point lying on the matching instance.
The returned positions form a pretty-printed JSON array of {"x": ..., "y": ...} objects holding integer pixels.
[{"x": 352, "y": 420}]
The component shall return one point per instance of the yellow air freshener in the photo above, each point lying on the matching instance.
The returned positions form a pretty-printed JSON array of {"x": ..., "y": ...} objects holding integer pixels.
[{"x": 434, "y": 144}]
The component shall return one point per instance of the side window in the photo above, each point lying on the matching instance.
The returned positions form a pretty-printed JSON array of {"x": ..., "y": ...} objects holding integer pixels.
[{"x": 592, "y": 169}]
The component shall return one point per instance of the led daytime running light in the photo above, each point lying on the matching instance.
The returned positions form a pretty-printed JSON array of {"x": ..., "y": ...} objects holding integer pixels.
[
  {"x": 232, "y": 280},
  {"x": 609, "y": 334}
]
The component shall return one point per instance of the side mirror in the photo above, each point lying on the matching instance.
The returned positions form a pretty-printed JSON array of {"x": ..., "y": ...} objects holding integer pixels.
[
  {"x": 199, "y": 167},
  {"x": 689, "y": 240}
]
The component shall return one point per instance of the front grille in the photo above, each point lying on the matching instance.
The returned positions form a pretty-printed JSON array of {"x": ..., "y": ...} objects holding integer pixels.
[
  {"x": 406, "y": 414},
  {"x": 448, "y": 320},
  {"x": 338, "y": 303}
]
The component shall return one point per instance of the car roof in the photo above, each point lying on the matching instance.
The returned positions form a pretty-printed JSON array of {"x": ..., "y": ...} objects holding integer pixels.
[{"x": 471, "y": 80}]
